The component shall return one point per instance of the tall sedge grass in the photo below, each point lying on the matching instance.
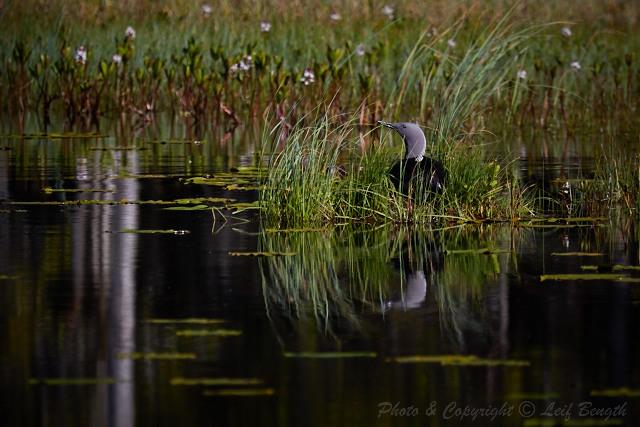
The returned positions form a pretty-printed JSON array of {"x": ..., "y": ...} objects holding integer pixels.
[{"x": 306, "y": 185}]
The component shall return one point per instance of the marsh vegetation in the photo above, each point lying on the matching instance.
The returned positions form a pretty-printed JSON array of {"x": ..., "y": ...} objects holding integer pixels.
[{"x": 198, "y": 219}]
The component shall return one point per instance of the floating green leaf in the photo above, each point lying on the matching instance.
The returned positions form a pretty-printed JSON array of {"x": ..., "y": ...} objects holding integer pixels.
[
  {"x": 141, "y": 231},
  {"x": 188, "y": 208},
  {"x": 592, "y": 276},
  {"x": 265, "y": 254},
  {"x": 156, "y": 356},
  {"x": 239, "y": 392},
  {"x": 215, "y": 381},
  {"x": 458, "y": 360},
  {"x": 50, "y": 190},
  {"x": 481, "y": 251},
  {"x": 71, "y": 381},
  {"x": 577, "y": 254},
  {"x": 209, "y": 332},
  {"x": 294, "y": 230},
  {"x": 616, "y": 392},
  {"x": 331, "y": 354},
  {"x": 533, "y": 396},
  {"x": 188, "y": 320}
]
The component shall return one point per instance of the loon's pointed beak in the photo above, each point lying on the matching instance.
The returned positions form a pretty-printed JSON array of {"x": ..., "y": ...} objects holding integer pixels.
[{"x": 385, "y": 124}]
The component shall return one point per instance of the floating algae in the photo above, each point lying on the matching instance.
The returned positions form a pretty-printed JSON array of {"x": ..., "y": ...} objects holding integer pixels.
[
  {"x": 71, "y": 381},
  {"x": 50, "y": 190},
  {"x": 175, "y": 141},
  {"x": 244, "y": 179},
  {"x": 191, "y": 201},
  {"x": 143, "y": 231},
  {"x": 208, "y": 333},
  {"x": 188, "y": 320},
  {"x": 481, "y": 251},
  {"x": 151, "y": 176},
  {"x": 119, "y": 148},
  {"x": 7, "y": 277},
  {"x": 215, "y": 381},
  {"x": 616, "y": 392},
  {"x": 590, "y": 276},
  {"x": 616, "y": 267},
  {"x": 577, "y": 254},
  {"x": 156, "y": 356},
  {"x": 458, "y": 360},
  {"x": 240, "y": 392},
  {"x": 533, "y": 396},
  {"x": 243, "y": 206},
  {"x": 188, "y": 208},
  {"x": 580, "y": 422},
  {"x": 262, "y": 254},
  {"x": 218, "y": 180},
  {"x": 61, "y": 135},
  {"x": 331, "y": 354},
  {"x": 294, "y": 230}
]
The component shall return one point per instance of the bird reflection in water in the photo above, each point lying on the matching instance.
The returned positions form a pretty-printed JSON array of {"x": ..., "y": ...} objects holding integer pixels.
[{"x": 418, "y": 261}]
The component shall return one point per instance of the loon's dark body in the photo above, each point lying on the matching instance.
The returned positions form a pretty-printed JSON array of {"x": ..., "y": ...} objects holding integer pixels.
[
  {"x": 415, "y": 172},
  {"x": 405, "y": 174}
]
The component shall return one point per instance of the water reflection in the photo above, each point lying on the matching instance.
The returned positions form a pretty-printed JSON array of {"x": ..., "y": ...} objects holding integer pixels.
[
  {"x": 76, "y": 293},
  {"x": 339, "y": 278}
]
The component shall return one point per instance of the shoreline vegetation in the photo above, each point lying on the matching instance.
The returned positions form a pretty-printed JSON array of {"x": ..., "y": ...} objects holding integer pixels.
[{"x": 318, "y": 78}]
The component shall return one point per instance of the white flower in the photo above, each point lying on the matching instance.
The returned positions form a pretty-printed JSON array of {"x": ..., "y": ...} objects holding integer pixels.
[
  {"x": 265, "y": 26},
  {"x": 308, "y": 77},
  {"x": 130, "y": 33},
  {"x": 360, "y": 50},
  {"x": 388, "y": 11},
  {"x": 206, "y": 9},
  {"x": 117, "y": 59},
  {"x": 244, "y": 65},
  {"x": 335, "y": 16},
  {"x": 566, "y": 31},
  {"x": 452, "y": 43},
  {"x": 522, "y": 74},
  {"x": 80, "y": 55},
  {"x": 575, "y": 65}
]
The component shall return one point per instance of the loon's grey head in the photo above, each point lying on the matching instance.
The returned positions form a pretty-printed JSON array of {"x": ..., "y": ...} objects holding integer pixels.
[{"x": 414, "y": 140}]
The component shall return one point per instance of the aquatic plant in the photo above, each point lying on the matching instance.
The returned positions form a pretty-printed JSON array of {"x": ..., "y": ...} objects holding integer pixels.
[
  {"x": 321, "y": 169},
  {"x": 200, "y": 74}
]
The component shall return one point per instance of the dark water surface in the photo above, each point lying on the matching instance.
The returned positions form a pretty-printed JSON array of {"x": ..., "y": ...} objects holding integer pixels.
[{"x": 78, "y": 297}]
